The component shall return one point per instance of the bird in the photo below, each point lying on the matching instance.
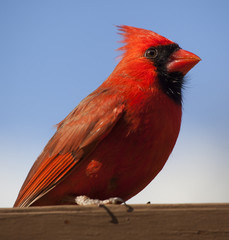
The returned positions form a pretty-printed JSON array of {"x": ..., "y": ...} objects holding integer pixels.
[{"x": 118, "y": 138}]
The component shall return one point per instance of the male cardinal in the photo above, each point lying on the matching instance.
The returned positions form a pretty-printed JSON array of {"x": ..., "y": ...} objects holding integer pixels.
[{"x": 120, "y": 136}]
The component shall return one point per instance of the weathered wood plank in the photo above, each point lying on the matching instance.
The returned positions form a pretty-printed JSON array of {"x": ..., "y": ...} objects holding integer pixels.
[{"x": 173, "y": 222}]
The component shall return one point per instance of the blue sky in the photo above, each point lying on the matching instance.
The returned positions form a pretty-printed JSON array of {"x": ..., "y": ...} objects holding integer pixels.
[{"x": 54, "y": 53}]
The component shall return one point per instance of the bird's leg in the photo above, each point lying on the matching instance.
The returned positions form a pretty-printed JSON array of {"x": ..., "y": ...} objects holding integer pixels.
[{"x": 84, "y": 200}]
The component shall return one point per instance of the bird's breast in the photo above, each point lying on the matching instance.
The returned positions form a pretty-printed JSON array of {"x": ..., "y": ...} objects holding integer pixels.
[{"x": 138, "y": 147}]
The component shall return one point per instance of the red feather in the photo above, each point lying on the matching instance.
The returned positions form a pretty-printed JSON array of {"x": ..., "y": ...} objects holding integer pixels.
[{"x": 119, "y": 137}]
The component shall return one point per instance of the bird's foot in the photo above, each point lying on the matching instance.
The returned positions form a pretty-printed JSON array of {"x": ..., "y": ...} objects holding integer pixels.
[{"x": 84, "y": 201}]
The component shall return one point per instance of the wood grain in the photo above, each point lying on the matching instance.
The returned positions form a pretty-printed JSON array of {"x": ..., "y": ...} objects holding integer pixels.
[{"x": 172, "y": 222}]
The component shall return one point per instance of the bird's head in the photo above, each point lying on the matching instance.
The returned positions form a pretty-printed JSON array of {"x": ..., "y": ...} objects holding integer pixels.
[{"x": 153, "y": 60}]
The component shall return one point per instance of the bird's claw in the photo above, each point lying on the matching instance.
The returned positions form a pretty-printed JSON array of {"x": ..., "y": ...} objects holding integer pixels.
[{"x": 84, "y": 201}]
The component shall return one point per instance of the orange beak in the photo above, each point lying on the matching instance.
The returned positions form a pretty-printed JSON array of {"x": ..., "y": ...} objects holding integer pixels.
[{"x": 182, "y": 61}]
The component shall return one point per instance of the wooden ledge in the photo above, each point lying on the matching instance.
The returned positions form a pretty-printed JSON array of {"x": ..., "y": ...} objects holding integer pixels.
[{"x": 150, "y": 221}]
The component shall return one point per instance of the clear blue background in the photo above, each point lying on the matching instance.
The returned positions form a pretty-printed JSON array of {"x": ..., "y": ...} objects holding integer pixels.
[{"x": 54, "y": 53}]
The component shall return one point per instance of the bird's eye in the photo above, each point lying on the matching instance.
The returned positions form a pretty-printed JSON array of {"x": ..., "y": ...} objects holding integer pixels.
[{"x": 151, "y": 53}]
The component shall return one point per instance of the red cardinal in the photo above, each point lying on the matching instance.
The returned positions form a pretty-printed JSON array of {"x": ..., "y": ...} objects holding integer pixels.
[{"x": 120, "y": 136}]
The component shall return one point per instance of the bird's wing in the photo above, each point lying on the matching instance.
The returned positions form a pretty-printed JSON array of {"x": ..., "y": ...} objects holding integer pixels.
[{"x": 76, "y": 137}]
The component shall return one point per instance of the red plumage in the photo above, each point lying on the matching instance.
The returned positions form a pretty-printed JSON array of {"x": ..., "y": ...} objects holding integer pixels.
[{"x": 120, "y": 136}]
